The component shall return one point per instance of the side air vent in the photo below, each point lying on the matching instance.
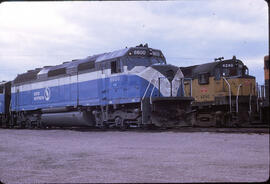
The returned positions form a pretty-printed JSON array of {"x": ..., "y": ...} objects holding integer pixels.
[
  {"x": 60, "y": 71},
  {"x": 29, "y": 76},
  {"x": 86, "y": 66}
]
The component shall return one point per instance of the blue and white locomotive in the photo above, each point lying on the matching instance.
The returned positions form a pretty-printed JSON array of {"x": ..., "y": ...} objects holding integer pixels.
[{"x": 129, "y": 87}]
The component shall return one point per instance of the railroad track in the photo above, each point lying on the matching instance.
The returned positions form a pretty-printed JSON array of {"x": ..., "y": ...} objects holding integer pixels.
[{"x": 178, "y": 129}]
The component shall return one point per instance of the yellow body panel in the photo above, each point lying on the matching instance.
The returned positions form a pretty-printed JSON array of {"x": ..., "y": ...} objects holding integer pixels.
[
  {"x": 266, "y": 74},
  {"x": 266, "y": 67},
  {"x": 208, "y": 92}
]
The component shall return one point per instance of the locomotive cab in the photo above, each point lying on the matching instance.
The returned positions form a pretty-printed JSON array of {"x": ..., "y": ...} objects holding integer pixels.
[
  {"x": 231, "y": 68},
  {"x": 163, "y": 100}
]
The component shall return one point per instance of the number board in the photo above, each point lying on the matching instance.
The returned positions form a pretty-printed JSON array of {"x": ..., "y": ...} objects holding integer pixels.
[
  {"x": 227, "y": 65},
  {"x": 140, "y": 52},
  {"x": 143, "y": 52}
]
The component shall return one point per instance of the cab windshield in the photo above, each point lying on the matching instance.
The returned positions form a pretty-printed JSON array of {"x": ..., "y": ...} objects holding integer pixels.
[
  {"x": 235, "y": 71},
  {"x": 231, "y": 70},
  {"x": 143, "y": 61}
]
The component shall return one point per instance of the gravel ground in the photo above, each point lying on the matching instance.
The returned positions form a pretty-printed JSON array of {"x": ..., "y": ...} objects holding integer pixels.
[{"x": 61, "y": 156}]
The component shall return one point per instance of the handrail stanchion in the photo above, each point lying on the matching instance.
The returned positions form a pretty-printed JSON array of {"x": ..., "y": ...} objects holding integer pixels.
[
  {"x": 238, "y": 89},
  {"x": 230, "y": 97}
]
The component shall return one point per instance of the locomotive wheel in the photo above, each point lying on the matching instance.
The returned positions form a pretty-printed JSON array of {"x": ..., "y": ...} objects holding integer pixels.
[
  {"x": 124, "y": 125},
  {"x": 104, "y": 126},
  {"x": 28, "y": 124},
  {"x": 41, "y": 125},
  {"x": 22, "y": 125},
  {"x": 157, "y": 120},
  {"x": 218, "y": 117},
  {"x": 118, "y": 121}
]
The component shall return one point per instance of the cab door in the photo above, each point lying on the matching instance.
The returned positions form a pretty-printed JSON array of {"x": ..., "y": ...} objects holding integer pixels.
[
  {"x": 103, "y": 83},
  {"x": 118, "y": 82},
  {"x": 17, "y": 93},
  {"x": 2, "y": 100}
]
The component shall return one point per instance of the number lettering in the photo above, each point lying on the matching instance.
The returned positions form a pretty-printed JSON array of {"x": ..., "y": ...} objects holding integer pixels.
[{"x": 139, "y": 52}]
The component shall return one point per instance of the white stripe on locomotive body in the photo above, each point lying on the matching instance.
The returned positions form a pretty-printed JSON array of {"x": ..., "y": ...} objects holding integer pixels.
[
  {"x": 56, "y": 82},
  {"x": 148, "y": 73}
]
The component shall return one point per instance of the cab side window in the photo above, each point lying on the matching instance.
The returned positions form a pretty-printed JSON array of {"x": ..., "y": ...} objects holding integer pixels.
[
  {"x": 1, "y": 89},
  {"x": 113, "y": 67},
  {"x": 116, "y": 67},
  {"x": 217, "y": 74},
  {"x": 203, "y": 78},
  {"x": 240, "y": 69}
]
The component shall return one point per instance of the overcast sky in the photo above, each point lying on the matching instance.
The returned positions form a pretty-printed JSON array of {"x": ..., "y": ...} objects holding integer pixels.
[{"x": 189, "y": 32}]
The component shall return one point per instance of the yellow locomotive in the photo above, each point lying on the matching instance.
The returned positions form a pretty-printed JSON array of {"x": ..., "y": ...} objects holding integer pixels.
[{"x": 224, "y": 92}]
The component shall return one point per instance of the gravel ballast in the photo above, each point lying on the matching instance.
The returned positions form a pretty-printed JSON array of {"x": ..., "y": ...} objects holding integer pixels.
[{"x": 65, "y": 156}]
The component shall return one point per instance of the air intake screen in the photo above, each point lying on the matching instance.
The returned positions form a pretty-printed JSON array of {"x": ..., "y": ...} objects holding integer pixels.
[
  {"x": 86, "y": 66},
  {"x": 60, "y": 71}
]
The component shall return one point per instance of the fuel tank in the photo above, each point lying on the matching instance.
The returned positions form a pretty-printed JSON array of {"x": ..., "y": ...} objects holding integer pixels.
[{"x": 75, "y": 118}]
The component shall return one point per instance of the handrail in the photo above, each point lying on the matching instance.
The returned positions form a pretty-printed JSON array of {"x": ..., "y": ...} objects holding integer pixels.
[
  {"x": 230, "y": 97},
  {"x": 147, "y": 88},
  {"x": 258, "y": 96},
  {"x": 250, "y": 103},
  {"x": 190, "y": 85},
  {"x": 262, "y": 92},
  {"x": 148, "y": 85},
  {"x": 154, "y": 88},
  {"x": 238, "y": 89},
  {"x": 152, "y": 94}
]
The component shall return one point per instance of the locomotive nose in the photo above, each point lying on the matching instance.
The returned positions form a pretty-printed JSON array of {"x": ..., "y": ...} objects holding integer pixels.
[
  {"x": 168, "y": 80},
  {"x": 169, "y": 71},
  {"x": 170, "y": 75}
]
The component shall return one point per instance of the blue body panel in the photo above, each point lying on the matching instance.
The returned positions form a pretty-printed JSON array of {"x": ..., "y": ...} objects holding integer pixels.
[
  {"x": 2, "y": 103},
  {"x": 118, "y": 89}
]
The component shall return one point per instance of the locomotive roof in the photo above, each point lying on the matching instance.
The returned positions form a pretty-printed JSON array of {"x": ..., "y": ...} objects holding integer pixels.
[
  {"x": 3, "y": 82},
  {"x": 192, "y": 71},
  {"x": 95, "y": 58},
  {"x": 32, "y": 74},
  {"x": 204, "y": 68},
  {"x": 29, "y": 75},
  {"x": 111, "y": 55}
]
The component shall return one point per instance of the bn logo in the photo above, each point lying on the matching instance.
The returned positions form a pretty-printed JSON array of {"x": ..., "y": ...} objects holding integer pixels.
[{"x": 47, "y": 94}]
